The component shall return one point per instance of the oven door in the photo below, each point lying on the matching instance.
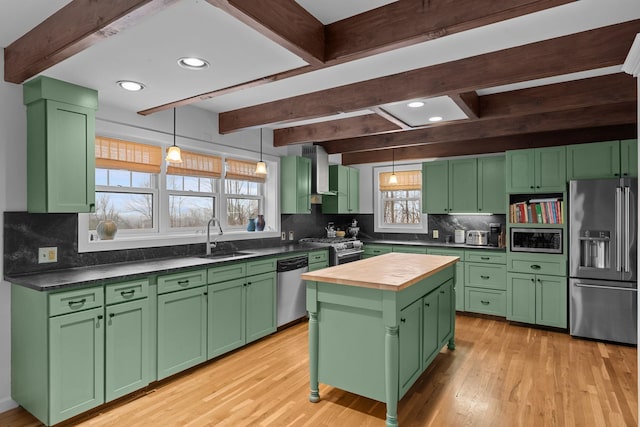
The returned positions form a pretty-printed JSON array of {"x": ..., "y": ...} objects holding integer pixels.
[{"x": 347, "y": 256}]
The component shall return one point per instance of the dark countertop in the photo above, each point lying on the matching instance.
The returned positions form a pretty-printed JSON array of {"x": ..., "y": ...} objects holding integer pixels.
[
  {"x": 432, "y": 244},
  {"x": 97, "y": 274}
]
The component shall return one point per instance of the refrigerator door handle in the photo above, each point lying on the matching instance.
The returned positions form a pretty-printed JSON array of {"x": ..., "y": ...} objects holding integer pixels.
[
  {"x": 618, "y": 228},
  {"x": 615, "y": 288},
  {"x": 626, "y": 237}
]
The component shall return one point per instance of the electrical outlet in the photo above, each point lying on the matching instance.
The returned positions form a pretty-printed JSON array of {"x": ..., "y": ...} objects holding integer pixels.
[
  {"x": 435, "y": 234},
  {"x": 290, "y": 235},
  {"x": 283, "y": 236},
  {"x": 47, "y": 255}
]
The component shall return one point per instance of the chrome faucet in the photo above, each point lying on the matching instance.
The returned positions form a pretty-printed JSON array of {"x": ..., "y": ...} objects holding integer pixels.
[{"x": 209, "y": 243}]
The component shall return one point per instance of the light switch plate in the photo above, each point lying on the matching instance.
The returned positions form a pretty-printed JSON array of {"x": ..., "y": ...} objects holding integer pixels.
[
  {"x": 46, "y": 255},
  {"x": 290, "y": 235},
  {"x": 284, "y": 236},
  {"x": 435, "y": 234}
]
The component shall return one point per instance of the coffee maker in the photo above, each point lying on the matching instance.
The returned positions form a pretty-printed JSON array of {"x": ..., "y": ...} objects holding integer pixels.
[{"x": 494, "y": 233}]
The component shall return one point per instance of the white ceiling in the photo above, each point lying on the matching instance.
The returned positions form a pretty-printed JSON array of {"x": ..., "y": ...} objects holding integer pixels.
[{"x": 148, "y": 52}]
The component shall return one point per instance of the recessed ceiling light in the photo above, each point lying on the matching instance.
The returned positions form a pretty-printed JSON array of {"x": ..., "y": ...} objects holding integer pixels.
[
  {"x": 415, "y": 104},
  {"x": 193, "y": 63},
  {"x": 435, "y": 119},
  {"x": 130, "y": 85}
]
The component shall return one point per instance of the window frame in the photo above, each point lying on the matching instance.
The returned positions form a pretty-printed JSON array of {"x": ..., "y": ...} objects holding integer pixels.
[
  {"x": 378, "y": 204},
  {"x": 215, "y": 194},
  {"x": 225, "y": 196}
]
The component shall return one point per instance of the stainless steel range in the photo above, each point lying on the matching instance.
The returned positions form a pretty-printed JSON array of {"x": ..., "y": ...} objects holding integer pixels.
[{"x": 341, "y": 249}]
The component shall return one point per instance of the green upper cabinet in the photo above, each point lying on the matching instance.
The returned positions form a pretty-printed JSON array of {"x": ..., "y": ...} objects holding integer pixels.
[
  {"x": 345, "y": 182},
  {"x": 536, "y": 170},
  {"x": 60, "y": 146},
  {"x": 629, "y": 157},
  {"x": 463, "y": 190},
  {"x": 295, "y": 185},
  {"x": 492, "y": 185},
  {"x": 435, "y": 187},
  {"x": 608, "y": 159}
]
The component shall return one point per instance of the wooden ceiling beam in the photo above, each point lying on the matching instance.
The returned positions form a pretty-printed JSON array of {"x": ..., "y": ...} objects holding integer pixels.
[
  {"x": 75, "y": 27},
  {"x": 598, "y": 48},
  {"x": 343, "y": 128},
  {"x": 468, "y": 102},
  {"x": 283, "y": 21},
  {"x": 407, "y": 22},
  {"x": 494, "y": 145},
  {"x": 362, "y": 35},
  {"x": 601, "y": 115},
  {"x": 608, "y": 89}
]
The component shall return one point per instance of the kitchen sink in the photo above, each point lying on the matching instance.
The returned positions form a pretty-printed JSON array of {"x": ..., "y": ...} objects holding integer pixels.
[{"x": 224, "y": 255}]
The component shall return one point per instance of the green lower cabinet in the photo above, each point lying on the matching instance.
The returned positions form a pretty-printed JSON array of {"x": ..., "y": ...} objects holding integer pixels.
[
  {"x": 126, "y": 348},
  {"x": 409, "y": 249},
  {"x": 410, "y": 351},
  {"x": 371, "y": 250},
  {"x": 537, "y": 299},
  {"x": 76, "y": 363},
  {"x": 261, "y": 305},
  {"x": 445, "y": 312},
  {"x": 182, "y": 330},
  {"x": 430, "y": 341},
  {"x": 458, "y": 285},
  {"x": 226, "y": 319}
]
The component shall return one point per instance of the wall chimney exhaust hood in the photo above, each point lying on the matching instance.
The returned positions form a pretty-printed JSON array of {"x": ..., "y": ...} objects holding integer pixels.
[{"x": 319, "y": 169}]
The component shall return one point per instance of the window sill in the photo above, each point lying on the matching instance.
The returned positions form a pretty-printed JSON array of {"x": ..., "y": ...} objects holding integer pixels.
[{"x": 155, "y": 240}]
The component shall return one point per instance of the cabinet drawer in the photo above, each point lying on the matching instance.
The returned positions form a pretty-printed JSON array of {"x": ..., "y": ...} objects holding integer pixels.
[
  {"x": 72, "y": 301},
  {"x": 126, "y": 291},
  {"x": 409, "y": 249},
  {"x": 447, "y": 252},
  {"x": 318, "y": 266},
  {"x": 486, "y": 301},
  {"x": 485, "y": 276},
  {"x": 556, "y": 267},
  {"x": 318, "y": 256},
  {"x": 182, "y": 280},
  {"x": 373, "y": 250},
  {"x": 485, "y": 256},
  {"x": 226, "y": 272},
  {"x": 260, "y": 266}
]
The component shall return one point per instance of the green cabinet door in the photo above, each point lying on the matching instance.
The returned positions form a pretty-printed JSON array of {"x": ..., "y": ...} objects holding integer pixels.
[
  {"x": 353, "y": 200},
  {"x": 595, "y": 160},
  {"x": 435, "y": 194},
  {"x": 520, "y": 166},
  {"x": 550, "y": 169},
  {"x": 60, "y": 146},
  {"x": 463, "y": 188},
  {"x": 492, "y": 185},
  {"x": 295, "y": 185},
  {"x": 409, "y": 249},
  {"x": 345, "y": 183},
  {"x": 430, "y": 341},
  {"x": 76, "y": 363},
  {"x": 445, "y": 312},
  {"x": 372, "y": 249},
  {"x": 521, "y": 297},
  {"x": 182, "y": 330},
  {"x": 260, "y": 305},
  {"x": 226, "y": 317},
  {"x": 126, "y": 348},
  {"x": 410, "y": 351},
  {"x": 551, "y": 301},
  {"x": 629, "y": 157},
  {"x": 458, "y": 286}
]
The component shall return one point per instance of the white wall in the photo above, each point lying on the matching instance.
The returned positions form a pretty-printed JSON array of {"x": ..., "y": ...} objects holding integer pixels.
[{"x": 13, "y": 178}]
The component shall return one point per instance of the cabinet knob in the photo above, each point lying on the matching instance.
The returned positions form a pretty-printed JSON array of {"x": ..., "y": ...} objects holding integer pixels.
[
  {"x": 99, "y": 316},
  {"x": 403, "y": 320},
  {"x": 533, "y": 280},
  {"x": 248, "y": 283},
  {"x": 183, "y": 282},
  {"x": 485, "y": 302},
  {"x": 426, "y": 304},
  {"x": 535, "y": 267},
  {"x": 111, "y": 315},
  {"x": 482, "y": 277},
  {"x": 531, "y": 187}
]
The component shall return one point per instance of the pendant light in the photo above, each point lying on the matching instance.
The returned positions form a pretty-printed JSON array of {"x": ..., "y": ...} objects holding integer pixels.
[
  {"x": 173, "y": 152},
  {"x": 393, "y": 179},
  {"x": 261, "y": 167}
]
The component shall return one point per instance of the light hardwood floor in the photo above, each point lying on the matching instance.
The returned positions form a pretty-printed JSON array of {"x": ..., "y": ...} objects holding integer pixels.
[{"x": 499, "y": 375}]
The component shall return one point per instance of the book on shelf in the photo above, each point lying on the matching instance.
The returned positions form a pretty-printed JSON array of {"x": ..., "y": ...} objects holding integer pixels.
[{"x": 537, "y": 211}]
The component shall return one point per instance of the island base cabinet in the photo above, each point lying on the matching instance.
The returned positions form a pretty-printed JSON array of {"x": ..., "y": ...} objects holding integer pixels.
[
  {"x": 182, "y": 330},
  {"x": 127, "y": 348},
  {"x": 410, "y": 349},
  {"x": 76, "y": 363}
]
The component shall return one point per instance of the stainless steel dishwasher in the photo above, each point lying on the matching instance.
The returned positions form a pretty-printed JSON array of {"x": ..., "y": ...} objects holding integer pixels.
[{"x": 292, "y": 289}]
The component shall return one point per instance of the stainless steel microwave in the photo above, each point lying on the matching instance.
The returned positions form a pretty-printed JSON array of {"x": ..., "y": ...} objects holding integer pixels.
[{"x": 541, "y": 240}]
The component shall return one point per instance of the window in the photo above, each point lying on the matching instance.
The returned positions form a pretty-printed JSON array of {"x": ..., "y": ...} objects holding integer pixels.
[
  {"x": 398, "y": 206},
  {"x": 244, "y": 193},
  {"x": 192, "y": 188},
  {"x": 126, "y": 185}
]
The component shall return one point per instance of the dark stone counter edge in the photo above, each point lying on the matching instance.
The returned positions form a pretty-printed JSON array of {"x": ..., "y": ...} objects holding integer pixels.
[
  {"x": 79, "y": 277},
  {"x": 433, "y": 244}
]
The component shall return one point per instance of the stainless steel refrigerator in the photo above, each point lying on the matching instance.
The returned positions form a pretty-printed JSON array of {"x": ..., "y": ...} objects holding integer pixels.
[{"x": 603, "y": 259}]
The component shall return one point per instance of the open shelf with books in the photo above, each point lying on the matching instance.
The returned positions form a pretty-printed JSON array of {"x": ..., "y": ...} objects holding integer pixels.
[{"x": 537, "y": 209}]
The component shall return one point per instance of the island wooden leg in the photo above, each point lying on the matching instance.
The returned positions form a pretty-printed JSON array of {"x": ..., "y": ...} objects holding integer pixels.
[
  {"x": 391, "y": 374},
  {"x": 314, "y": 396}
]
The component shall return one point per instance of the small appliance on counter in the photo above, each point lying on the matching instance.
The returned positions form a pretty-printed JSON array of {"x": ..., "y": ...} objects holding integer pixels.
[
  {"x": 331, "y": 231},
  {"x": 494, "y": 234},
  {"x": 459, "y": 236},
  {"x": 477, "y": 237}
]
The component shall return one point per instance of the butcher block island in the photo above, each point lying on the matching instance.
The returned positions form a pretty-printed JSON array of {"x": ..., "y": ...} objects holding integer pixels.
[{"x": 376, "y": 324}]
